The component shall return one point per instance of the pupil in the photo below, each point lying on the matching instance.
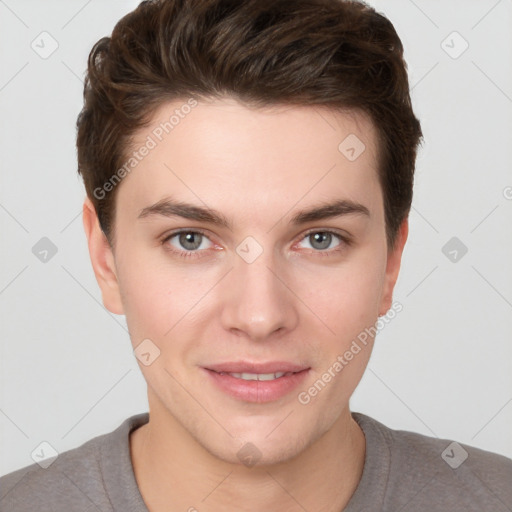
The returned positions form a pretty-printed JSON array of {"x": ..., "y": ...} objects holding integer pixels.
[
  {"x": 190, "y": 241},
  {"x": 320, "y": 240}
]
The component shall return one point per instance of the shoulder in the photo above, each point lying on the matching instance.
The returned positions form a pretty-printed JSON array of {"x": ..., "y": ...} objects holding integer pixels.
[
  {"x": 427, "y": 473},
  {"x": 72, "y": 476},
  {"x": 75, "y": 480}
]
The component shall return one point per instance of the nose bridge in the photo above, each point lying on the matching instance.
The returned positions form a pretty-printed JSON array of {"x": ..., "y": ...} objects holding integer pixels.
[{"x": 258, "y": 303}]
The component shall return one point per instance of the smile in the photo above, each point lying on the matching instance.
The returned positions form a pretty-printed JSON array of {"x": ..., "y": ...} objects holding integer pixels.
[
  {"x": 258, "y": 376},
  {"x": 257, "y": 387}
]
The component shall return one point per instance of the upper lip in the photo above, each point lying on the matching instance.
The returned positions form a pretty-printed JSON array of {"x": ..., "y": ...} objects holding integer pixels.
[{"x": 252, "y": 367}]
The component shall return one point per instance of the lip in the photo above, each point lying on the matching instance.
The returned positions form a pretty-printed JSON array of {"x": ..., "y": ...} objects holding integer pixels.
[
  {"x": 256, "y": 391},
  {"x": 248, "y": 367}
]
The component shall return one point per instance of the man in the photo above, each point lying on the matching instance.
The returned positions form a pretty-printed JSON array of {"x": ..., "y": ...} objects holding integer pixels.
[{"x": 249, "y": 170}]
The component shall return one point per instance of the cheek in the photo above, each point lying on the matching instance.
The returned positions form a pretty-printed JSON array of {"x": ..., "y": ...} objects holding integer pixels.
[
  {"x": 346, "y": 297},
  {"x": 352, "y": 303},
  {"x": 147, "y": 291},
  {"x": 161, "y": 299},
  {"x": 349, "y": 303},
  {"x": 358, "y": 298}
]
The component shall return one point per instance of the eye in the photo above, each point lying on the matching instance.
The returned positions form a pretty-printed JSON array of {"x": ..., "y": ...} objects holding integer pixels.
[
  {"x": 323, "y": 240},
  {"x": 189, "y": 241}
]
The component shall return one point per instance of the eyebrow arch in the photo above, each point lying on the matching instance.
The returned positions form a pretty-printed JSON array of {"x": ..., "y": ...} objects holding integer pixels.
[
  {"x": 169, "y": 208},
  {"x": 329, "y": 210}
]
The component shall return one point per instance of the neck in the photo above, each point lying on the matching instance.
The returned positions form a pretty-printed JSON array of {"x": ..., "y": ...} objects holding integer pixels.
[{"x": 175, "y": 473}]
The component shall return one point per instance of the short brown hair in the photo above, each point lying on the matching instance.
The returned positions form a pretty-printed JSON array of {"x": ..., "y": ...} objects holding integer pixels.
[{"x": 334, "y": 53}]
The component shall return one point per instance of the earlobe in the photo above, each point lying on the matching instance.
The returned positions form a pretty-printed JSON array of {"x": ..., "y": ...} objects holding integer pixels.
[
  {"x": 102, "y": 259},
  {"x": 393, "y": 267}
]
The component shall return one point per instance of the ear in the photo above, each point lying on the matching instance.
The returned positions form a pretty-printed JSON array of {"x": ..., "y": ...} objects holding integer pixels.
[
  {"x": 102, "y": 259},
  {"x": 393, "y": 267}
]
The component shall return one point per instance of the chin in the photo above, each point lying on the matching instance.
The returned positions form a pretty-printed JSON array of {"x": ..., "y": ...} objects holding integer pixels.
[
  {"x": 256, "y": 455},
  {"x": 255, "y": 447}
]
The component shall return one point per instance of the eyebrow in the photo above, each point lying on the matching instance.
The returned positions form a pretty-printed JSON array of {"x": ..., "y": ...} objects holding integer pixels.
[{"x": 170, "y": 208}]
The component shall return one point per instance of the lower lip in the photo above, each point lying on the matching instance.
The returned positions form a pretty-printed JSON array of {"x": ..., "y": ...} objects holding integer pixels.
[{"x": 257, "y": 391}]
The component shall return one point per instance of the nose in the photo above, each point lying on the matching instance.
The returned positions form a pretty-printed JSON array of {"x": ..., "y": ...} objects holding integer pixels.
[{"x": 257, "y": 302}]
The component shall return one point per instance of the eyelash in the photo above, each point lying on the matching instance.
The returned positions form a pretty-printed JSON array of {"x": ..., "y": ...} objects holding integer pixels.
[
  {"x": 183, "y": 253},
  {"x": 344, "y": 241}
]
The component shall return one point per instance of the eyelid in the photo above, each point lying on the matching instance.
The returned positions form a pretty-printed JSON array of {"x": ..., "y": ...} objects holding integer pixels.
[
  {"x": 336, "y": 231},
  {"x": 344, "y": 237},
  {"x": 342, "y": 234},
  {"x": 178, "y": 231},
  {"x": 164, "y": 239}
]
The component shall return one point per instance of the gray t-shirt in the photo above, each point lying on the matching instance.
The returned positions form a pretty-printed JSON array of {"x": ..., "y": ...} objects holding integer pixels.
[{"x": 403, "y": 472}]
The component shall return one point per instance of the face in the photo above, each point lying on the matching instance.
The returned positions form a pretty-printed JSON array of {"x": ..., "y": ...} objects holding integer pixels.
[{"x": 251, "y": 252}]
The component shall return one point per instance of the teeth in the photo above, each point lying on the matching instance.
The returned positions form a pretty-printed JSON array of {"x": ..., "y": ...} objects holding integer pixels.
[{"x": 258, "y": 376}]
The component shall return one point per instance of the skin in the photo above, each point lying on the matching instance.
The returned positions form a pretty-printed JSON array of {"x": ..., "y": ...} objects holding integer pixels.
[{"x": 295, "y": 302}]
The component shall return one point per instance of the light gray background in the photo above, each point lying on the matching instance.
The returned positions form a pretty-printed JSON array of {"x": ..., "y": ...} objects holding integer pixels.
[{"x": 443, "y": 367}]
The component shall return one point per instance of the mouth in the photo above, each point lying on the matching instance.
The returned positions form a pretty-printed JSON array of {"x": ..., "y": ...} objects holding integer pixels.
[
  {"x": 258, "y": 376},
  {"x": 256, "y": 382}
]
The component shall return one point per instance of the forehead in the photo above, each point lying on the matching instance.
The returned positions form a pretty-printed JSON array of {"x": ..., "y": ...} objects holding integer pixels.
[{"x": 221, "y": 150}]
